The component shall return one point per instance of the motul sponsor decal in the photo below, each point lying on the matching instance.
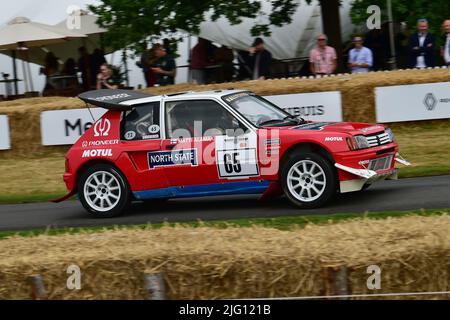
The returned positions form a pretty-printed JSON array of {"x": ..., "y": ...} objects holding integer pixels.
[
  {"x": 334, "y": 139},
  {"x": 97, "y": 153}
]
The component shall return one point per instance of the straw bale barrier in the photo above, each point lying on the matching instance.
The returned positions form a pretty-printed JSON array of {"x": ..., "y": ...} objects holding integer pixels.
[
  {"x": 357, "y": 95},
  {"x": 210, "y": 263}
]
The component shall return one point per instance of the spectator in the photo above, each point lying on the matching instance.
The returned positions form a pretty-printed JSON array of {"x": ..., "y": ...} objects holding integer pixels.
[
  {"x": 446, "y": 48},
  {"x": 199, "y": 61},
  {"x": 105, "y": 78},
  {"x": 360, "y": 58},
  {"x": 51, "y": 69},
  {"x": 84, "y": 66},
  {"x": 244, "y": 71},
  {"x": 259, "y": 60},
  {"x": 97, "y": 60},
  {"x": 147, "y": 60},
  {"x": 323, "y": 58},
  {"x": 421, "y": 47},
  {"x": 164, "y": 67},
  {"x": 70, "y": 69},
  {"x": 224, "y": 58}
]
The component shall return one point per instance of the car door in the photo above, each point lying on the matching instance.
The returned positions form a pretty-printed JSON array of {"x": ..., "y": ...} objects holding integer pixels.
[
  {"x": 215, "y": 146},
  {"x": 141, "y": 134}
]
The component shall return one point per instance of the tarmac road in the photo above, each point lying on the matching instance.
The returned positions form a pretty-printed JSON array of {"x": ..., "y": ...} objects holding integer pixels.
[{"x": 405, "y": 194}]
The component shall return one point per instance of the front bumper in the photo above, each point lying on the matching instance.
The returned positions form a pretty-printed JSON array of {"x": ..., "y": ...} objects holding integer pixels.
[{"x": 366, "y": 176}]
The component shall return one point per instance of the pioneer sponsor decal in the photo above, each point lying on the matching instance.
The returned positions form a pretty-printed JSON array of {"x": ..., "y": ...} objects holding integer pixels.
[
  {"x": 172, "y": 158},
  {"x": 99, "y": 143}
]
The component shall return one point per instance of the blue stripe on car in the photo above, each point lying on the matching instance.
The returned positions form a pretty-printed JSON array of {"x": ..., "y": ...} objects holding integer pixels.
[{"x": 216, "y": 189}]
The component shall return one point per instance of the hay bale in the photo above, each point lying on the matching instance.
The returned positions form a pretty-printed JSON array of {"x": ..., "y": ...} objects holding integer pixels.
[{"x": 210, "y": 263}]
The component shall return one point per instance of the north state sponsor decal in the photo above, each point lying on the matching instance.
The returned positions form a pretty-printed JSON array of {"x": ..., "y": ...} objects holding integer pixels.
[{"x": 172, "y": 158}]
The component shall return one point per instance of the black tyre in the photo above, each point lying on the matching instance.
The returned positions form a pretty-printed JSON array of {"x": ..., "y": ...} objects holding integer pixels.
[
  {"x": 309, "y": 180},
  {"x": 104, "y": 191}
]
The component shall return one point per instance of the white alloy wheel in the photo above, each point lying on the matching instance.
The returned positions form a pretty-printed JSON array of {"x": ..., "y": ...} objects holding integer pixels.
[
  {"x": 306, "y": 181},
  {"x": 102, "y": 191}
]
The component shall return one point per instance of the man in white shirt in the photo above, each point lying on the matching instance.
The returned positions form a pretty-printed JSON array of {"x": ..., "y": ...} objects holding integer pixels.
[
  {"x": 421, "y": 47},
  {"x": 446, "y": 48},
  {"x": 360, "y": 58}
]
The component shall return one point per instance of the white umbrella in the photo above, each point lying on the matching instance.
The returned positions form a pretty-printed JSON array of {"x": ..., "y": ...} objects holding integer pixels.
[
  {"x": 90, "y": 38},
  {"x": 22, "y": 34}
]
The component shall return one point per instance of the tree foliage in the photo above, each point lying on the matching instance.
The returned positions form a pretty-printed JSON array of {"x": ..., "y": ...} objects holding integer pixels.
[
  {"x": 408, "y": 11},
  {"x": 132, "y": 22}
]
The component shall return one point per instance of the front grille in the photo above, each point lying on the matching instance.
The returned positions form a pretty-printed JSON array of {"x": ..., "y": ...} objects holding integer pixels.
[
  {"x": 381, "y": 163},
  {"x": 378, "y": 139}
]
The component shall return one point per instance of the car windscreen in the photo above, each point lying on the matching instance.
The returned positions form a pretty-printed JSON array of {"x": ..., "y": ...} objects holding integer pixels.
[{"x": 258, "y": 110}]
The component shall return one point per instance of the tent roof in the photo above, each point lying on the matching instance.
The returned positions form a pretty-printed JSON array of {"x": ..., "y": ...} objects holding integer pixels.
[{"x": 23, "y": 30}]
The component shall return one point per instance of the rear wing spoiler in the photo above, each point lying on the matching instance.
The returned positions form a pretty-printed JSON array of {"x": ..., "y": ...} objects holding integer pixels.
[{"x": 112, "y": 99}]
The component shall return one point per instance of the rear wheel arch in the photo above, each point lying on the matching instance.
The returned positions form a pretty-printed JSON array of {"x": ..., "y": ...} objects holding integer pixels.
[{"x": 94, "y": 162}]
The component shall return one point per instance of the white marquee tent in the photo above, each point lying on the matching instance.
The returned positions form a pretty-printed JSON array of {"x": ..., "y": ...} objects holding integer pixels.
[{"x": 293, "y": 40}]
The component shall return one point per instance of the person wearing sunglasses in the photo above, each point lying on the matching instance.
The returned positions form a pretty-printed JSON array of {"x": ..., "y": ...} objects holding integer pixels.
[
  {"x": 322, "y": 58},
  {"x": 360, "y": 58}
]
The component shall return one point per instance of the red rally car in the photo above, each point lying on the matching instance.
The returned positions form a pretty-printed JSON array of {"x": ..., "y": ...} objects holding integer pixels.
[{"x": 198, "y": 144}]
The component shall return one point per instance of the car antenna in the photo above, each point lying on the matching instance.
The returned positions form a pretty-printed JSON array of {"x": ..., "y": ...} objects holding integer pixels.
[{"x": 92, "y": 116}]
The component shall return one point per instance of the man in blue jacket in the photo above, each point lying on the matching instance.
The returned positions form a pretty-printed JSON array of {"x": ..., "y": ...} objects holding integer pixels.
[{"x": 422, "y": 47}]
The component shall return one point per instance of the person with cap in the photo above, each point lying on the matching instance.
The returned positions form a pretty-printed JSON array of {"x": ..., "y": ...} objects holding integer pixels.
[
  {"x": 259, "y": 60},
  {"x": 421, "y": 47},
  {"x": 322, "y": 58},
  {"x": 360, "y": 58}
]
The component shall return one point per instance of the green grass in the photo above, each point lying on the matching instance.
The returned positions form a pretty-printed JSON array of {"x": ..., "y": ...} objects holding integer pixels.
[
  {"x": 415, "y": 172},
  {"x": 281, "y": 223}
]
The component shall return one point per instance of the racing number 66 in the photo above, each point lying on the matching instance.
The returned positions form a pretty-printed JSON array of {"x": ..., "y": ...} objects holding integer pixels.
[{"x": 231, "y": 163}]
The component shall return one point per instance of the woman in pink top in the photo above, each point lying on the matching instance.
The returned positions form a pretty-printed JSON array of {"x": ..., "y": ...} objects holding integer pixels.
[{"x": 322, "y": 59}]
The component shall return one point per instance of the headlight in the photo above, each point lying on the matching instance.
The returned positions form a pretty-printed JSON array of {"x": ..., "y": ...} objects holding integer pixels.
[
  {"x": 357, "y": 143},
  {"x": 391, "y": 134}
]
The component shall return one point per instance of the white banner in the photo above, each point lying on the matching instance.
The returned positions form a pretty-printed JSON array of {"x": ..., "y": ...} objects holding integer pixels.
[
  {"x": 64, "y": 127},
  {"x": 5, "y": 143},
  {"x": 413, "y": 102},
  {"x": 318, "y": 106}
]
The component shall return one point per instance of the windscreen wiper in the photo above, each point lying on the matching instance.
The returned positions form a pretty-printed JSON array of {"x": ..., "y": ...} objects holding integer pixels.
[{"x": 293, "y": 117}]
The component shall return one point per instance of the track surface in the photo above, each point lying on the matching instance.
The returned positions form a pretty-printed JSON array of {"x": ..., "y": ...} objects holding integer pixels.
[{"x": 406, "y": 194}]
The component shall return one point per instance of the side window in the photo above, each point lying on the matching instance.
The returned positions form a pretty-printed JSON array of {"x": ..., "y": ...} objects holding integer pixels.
[
  {"x": 197, "y": 118},
  {"x": 141, "y": 123}
]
